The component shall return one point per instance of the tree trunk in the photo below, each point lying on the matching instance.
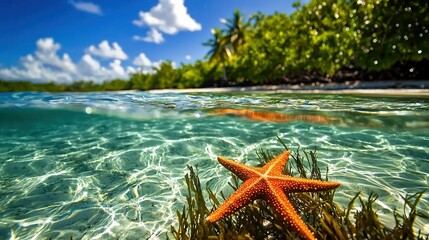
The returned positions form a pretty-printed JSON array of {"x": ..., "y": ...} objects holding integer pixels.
[{"x": 224, "y": 78}]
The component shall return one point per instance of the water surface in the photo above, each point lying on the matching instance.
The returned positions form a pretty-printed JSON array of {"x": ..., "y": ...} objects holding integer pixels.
[{"x": 111, "y": 165}]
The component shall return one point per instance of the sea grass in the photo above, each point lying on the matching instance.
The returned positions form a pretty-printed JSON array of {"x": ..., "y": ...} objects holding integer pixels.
[{"x": 325, "y": 218}]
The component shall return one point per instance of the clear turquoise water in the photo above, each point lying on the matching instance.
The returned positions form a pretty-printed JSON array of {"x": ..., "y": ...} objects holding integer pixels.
[{"x": 111, "y": 165}]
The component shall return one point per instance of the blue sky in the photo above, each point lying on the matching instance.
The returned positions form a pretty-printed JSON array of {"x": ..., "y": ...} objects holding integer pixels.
[{"x": 69, "y": 40}]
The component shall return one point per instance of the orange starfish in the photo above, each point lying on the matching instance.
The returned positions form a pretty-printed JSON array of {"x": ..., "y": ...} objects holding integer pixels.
[{"x": 269, "y": 184}]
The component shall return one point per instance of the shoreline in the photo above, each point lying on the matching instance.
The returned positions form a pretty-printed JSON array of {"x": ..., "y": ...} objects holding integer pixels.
[{"x": 373, "y": 88}]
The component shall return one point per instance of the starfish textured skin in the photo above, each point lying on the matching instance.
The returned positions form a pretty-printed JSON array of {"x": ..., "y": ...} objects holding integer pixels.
[{"x": 270, "y": 184}]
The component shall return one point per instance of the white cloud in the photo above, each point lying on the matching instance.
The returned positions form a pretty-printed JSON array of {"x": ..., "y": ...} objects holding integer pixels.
[
  {"x": 88, "y": 7},
  {"x": 45, "y": 66},
  {"x": 188, "y": 57},
  {"x": 89, "y": 63},
  {"x": 91, "y": 69},
  {"x": 47, "y": 53},
  {"x": 117, "y": 68},
  {"x": 152, "y": 36},
  {"x": 142, "y": 60},
  {"x": 138, "y": 38},
  {"x": 131, "y": 70},
  {"x": 36, "y": 70},
  {"x": 144, "y": 64},
  {"x": 168, "y": 16},
  {"x": 105, "y": 51},
  {"x": 157, "y": 64}
]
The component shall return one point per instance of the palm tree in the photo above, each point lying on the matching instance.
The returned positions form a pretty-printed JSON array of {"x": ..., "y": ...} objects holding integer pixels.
[
  {"x": 220, "y": 50},
  {"x": 227, "y": 42},
  {"x": 236, "y": 32}
]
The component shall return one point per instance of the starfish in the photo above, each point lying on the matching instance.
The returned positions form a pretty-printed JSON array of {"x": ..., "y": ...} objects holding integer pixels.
[{"x": 270, "y": 184}]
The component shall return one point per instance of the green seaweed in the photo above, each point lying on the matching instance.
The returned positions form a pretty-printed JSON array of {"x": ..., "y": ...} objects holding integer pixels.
[{"x": 325, "y": 218}]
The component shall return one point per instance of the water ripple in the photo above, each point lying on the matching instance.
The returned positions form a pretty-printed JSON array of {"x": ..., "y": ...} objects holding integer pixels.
[{"x": 117, "y": 172}]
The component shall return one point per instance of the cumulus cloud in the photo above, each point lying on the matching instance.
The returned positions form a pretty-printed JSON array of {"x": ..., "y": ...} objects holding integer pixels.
[
  {"x": 91, "y": 69},
  {"x": 47, "y": 54},
  {"x": 152, "y": 36},
  {"x": 45, "y": 65},
  {"x": 88, "y": 63},
  {"x": 88, "y": 7},
  {"x": 34, "y": 70},
  {"x": 168, "y": 16},
  {"x": 188, "y": 57},
  {"x": 144, "y": 64},
  {"x": 142, "y": 60},
  {"x": 105, "y": 51},
  {"x": 138, "y": 38},
  {"x": 116, "y": 67}
]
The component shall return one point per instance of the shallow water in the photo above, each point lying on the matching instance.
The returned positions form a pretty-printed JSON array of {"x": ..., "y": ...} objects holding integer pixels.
[{"x": 111, "y": 165}]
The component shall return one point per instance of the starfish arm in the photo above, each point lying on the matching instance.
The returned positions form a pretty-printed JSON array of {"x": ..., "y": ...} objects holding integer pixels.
[
  {"x": 291, "y": 184},
  {"x": 269, "y": 183},
  {"x": 280, "y": 204},
  {"x": 244, "y": 195},
  {"x": 242, "y": 171},
  {"x": 276, "y": 165}
]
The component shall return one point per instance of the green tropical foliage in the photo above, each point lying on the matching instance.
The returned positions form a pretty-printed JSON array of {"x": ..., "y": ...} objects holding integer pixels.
[
  {"x": 391, "y": 31},
  {"x": 322, "y": 41}
]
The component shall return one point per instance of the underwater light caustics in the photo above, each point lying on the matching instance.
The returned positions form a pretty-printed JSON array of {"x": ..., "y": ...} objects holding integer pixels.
[
  {"x": 273, "y": 116},
  {"x": 270, "y": 184}
]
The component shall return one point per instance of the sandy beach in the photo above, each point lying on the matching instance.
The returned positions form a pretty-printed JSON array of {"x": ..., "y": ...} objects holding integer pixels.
[{"x": 374, "y": 88}]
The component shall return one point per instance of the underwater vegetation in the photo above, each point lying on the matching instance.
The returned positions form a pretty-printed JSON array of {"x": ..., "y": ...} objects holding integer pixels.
[
  {"x": 270, "y": 184},
  {"x": 325, "y": 218}
]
